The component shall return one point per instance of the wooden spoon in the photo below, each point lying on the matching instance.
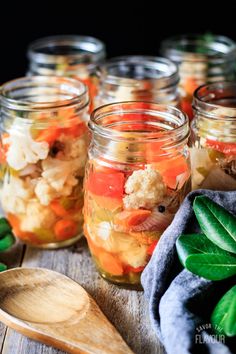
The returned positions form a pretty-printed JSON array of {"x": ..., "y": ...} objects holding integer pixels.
[{"x": 51, "y": 308}]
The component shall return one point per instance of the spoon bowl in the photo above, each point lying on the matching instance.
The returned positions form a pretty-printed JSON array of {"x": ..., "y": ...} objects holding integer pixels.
[{"x": 52, "y": 308}]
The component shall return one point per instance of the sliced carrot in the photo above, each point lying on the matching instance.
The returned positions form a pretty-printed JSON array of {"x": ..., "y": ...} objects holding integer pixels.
[
  {"x": 49, "y": 135},
  {"x": 186, "y": 106},
  {"x": 3, "y": 148},
  {"x": 110, "y": 263},
  {"x": 190, "y": 84},
  {"x": 65, "y": 229},
  {"x": 129, "y": 218},
  {"x": 130, "y": 269},
  {"x": 58, "y": 209},
  {"x": 92, "y": 87},
  {"x": 154, "y": 152},
  {"x": 23, "y": 235},
  {"x": 171, "y": 168},
  {"x": 152, "y": 247},
  {"x": 106, "y": 184},
  {"x": 225, "y": 148}
]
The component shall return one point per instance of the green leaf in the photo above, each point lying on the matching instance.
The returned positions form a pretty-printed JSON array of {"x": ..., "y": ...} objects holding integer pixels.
[
  {"x": 223, "y": 317},
  {"x": 196, "y": 244},
  {"x": 216, "y": 222},
  {"x": 4, "y": 227},
  {"x": 212, "y": 266},
  {"x": 6, "y": 242},
  {"x": 2, "y": 267}
]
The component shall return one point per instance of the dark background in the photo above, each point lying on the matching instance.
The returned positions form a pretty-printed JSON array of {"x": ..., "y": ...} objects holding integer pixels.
[{"x": 126, "y": 27}]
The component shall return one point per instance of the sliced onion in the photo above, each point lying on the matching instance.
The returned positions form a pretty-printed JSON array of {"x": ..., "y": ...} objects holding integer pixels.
[{"x": 155, "y": 222}]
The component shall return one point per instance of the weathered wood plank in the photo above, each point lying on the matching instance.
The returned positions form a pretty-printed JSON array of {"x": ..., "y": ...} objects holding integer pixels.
[
  {"x": 126, "y": 309},
  {"x": 12, "y": 258}
]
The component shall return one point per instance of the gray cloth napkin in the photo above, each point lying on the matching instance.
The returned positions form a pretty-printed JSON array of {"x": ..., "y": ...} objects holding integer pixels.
[{"x": 180, "y": 303}]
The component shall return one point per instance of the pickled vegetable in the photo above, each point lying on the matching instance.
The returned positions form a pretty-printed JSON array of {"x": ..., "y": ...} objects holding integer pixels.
[
  {"x": 126, "y": 212},
  {"x": 43, "y": 169}
]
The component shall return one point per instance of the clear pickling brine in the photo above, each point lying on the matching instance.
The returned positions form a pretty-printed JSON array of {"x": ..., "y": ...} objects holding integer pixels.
[
  {"x": 213, "y": 152},
  {"x": 201, "y": 59},
  {"x": 43, "y": 150},
  {"x": 68, "y": 56},
  {"x": 138, "y": 78},
  {"x": 136, "y": 177}
]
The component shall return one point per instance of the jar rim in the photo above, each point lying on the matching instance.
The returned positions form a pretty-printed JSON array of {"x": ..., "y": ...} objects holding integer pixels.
[
  {"x": 146, "y": 108},
  {"x": 217, "y": 90},
  {"x": 163, "y": 72},
  {"x": 86, "y": 49},
  {"x": 75, "y": 88},
  {"x": 215, "y": 48}
]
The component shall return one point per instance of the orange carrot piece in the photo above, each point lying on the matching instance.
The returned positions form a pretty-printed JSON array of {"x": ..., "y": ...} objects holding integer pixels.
[
  {"x": 152, "y": 247},
  {"x": 190, "y": 85},
  {"x": 186, "y": 106},
  {"x": 3, "y": 148},
  {"x": 225, "y": 148},
  {"x": 110, "y": 263},
  {"x": 65, "y": 228},
  {"x": 23, "y": 235},
  {"x": 129, "y": 218},
  {"x": 58, "y": 209},
  {"x": 49, "y": 135},
  {"x": 129, "y": 269},
  {"x": 171, "y": 168}
]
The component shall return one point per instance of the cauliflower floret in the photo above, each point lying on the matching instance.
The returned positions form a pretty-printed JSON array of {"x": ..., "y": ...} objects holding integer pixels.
[
  {"x": 58, "y": 179},
  {"x": 23, "y": 149},
  {"x": 15, "y": 194},
  {"x": 135, "y": 257},
  {"x": 44, "y": 192},
  {"x": 128, "y": 248},
  {"x": 37, "y": 217},
  {"x": 145, "y": 189},
  {"x": 75, "y": 148},
  {"x": 60, "y": 174}
]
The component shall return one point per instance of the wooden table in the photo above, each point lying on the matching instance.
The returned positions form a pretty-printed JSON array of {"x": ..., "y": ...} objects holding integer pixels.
[{"x": 126, "y": 309}]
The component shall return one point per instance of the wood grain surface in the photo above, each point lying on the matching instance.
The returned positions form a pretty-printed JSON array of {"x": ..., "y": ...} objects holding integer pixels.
[
  {"x": 12, "y": 258},
  {"x": 126, "y": 309}
]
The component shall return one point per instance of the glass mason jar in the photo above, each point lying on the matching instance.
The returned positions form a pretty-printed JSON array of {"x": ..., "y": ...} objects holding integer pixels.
[
  {"x": 44, "y": 139},
  {"x": 136, "y": 177},
  {"x": 201, "y": 59},
  {"x": 138, "y": 78},
  {"x": 68, "y": 55},
  {"x": 213, "y": 155}
]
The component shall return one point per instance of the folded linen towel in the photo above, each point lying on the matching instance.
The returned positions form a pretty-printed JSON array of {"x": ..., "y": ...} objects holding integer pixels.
[{"x": 180, "y": 303}]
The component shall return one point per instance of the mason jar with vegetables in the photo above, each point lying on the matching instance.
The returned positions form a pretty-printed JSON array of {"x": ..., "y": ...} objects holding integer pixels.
[
  {"x": 201, "y": 59},
  {"x": 213, "y": 154},
  {"x": 136, "y": 177},
  {"x": 138, "y": 78},
  {"x": 67, "y": 55},
  {"x": 43, "y": 151}
]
